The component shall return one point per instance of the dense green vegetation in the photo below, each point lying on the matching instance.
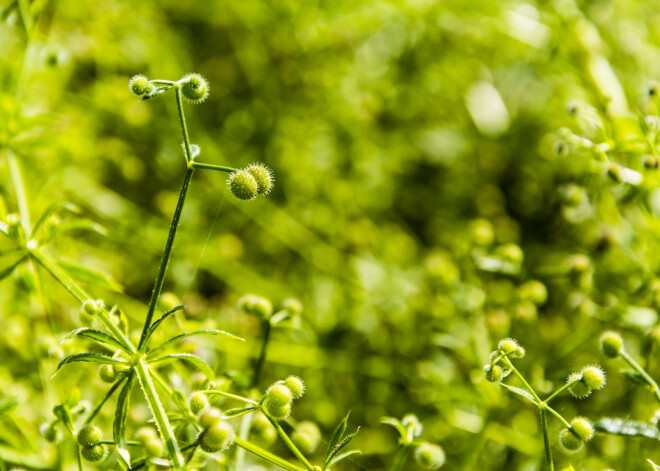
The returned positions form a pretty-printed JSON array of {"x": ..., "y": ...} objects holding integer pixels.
[{"x": 446, "y": 175}]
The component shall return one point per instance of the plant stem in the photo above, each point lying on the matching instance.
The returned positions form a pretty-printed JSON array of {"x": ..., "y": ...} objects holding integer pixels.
[
  {"x": 400, "y": 457},
  {"x": 265, "y": 455},
  {"x": 19, "y": 186},
  {"x": 104, "y": 400},
  {"x": 160, "y": 278},
  {"x": 164, "y": 427},
  {"x": 258, "y": 368},
  {"x": 522, "y": 379},
  {"x": 182, "y": 121},
  {"x": 546, "y": 439},
  {"x": 560, "y": 390},
  {"x": 631, "y": 361},
  {"x": 558, "y": 415},
  {"x": 212, "y": 392},
  {"x": 285, "y": 438},
  {"x": 214, "y": 167}
]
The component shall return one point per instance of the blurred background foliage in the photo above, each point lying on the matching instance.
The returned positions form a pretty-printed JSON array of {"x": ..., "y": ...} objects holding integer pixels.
[{"x": 421, "y": 182}]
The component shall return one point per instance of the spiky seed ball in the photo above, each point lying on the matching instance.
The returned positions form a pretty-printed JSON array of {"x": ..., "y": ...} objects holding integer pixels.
[
  {"x": 579, "y": 390},
  {"x": 278, "y": 411},
  {"x": 140, "y": 85},
  {"x": 306, "y": 437},
  {"x": 90, "y": 307},
  {"x": 243, "y": 185},
  {"x": 411, "y": 422},
  {"x": 194, "y": 87},
  {"x": 569, "y": 440},
  {"x": 107, "y": 373},
  {"x": 198, "y": 402},
  {"x": 93, "y": 453},
  {"x": 611, "y": 343},
  {"x": 262, "y": 429},
  {"x": 279, "y": 393},
  {"x": 429, "y": 456},
  {"x": 149, "y": 440},
  {"x": 256, "y": 305},
  {"x": 493, "y": 373},
  {"x": 263, "y": 176},
  {"x": 209, "y": 417},
  {"x": 508, "y": 346},
  {"x": 217, "y": 438},
  {"x": 90, "y": 435},
  {"x": 582, "y": 428},
  {"x": 296, "y": 386},
  {"x": 593, "y": 376}
]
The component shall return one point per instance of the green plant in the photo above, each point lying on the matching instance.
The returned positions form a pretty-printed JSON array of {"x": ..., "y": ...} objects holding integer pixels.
[{"x": 427, "y": 455}]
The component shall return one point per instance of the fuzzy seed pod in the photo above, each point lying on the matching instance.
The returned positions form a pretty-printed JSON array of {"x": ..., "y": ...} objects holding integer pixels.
[
  {"x": 278, "y": 411},
  {"x": 256, "y": 305},
  {"x": 107, "y": 373},
  {"x": 650, "y": 161},
  {"x": 593, "y": 376},
  {"x": 209, "y": 417},
  {"x": 140, "y": 85},
  {"x": 194, "y": 88},
  {"x": 533, "y": 291},
  {"x": 50, "y": 433},
  {"x": 93, "y": 453},
  {"x": 148, "y": 438},
  {"x": 582, "y": 428},
  {"x": 614, "y": 172},
  {"x": 90, "y": 307},
  {"x": 611, "y": 343},
  {"x": 508, "y": 346},
  {"x": 262, "y": 429},
  {"x": 411, "y": 422},
  {"x": 429, "y": 456},
  {"x": 279, "y": 394},
  {"x": 579, "y": 390},
  {"x": 569, "y": 440},
  {"x": 263, "y": 176},
  {"x": 296, "y": 386},
  {"x": 90, "y": 435},
  {"x": 243, "y": 185},
  {"x": 217, "y": 438},
  {"x": 198, "y": 402},
  {"x": 306, "y": 437},
  {"x": 493, "y": 373}
]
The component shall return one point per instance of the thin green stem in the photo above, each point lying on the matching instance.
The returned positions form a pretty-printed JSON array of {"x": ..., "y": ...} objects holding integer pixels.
[
  {"x": 214, "y": 167},
  {"x": 163, "y": 82},
  {"x": 107, "y": 396},
  {"x": 266, "y": 455},
  {"x": 19, "y": 186},
  {"x": 558, "y": 415},
  {"x": 651, "y": 382},
  {"x": 213, "y": 392},
  {"x": 182, "y": 120},
  {"x": 546, "y": 439},
  {"x": 523, "y": 381},
  {"x": 561, "y": 390},
  {"x": 259, "y": 366},
  {"x": 160, "y": 278},
  {"x": 164, "y": 427},
  {"x": 285, "y": 438},
  {"x": 400, "y": 457}
]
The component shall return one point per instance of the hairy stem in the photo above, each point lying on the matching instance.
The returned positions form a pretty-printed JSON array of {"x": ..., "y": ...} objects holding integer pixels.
[
  {"x": 285, "y": 438},
  {"x": 266, "y": 455},
  {"x": 214, "y": 167},
  {"x": 523, "y": 381},
  {"x": 561, "y": 390},
  {"x": 182, "y": 121},
  {"x": 107, "y": 396},
  {"x": 546, "y": 439},
  {"x": 631, "y": 361},
  {"x": 164, "y": 427}
]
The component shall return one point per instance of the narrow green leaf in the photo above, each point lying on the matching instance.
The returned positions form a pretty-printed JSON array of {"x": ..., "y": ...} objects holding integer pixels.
[
  {"x": 628, "y": 428},
  {"x": 190, "y": 334},
  {"x": 9, "y": 270},
  {"x": 49, "y": 212},
  {"x": 339, "y": 446},
  {"x": 336, "y": 437},
  {"x": 189, "y": 358},
  {"x": 160, "y": 320},
  {"x": 97, "y": 335},
  {"x": 238, "y": 412},
  {"x": 89, "y": 276},
  {"x": 341, "y": 457},
  {"x": 70, "y": 225},
  {"x": 64, "y": 414},
  {"x": 179, "y": 399},
  {"x": 9, "y": 405},
  {"x": 396, "y": 424},
  {"x": 520, "y": 392},
  {"x": 119, "y": 423},
  {"x": 88, "y": 357}
]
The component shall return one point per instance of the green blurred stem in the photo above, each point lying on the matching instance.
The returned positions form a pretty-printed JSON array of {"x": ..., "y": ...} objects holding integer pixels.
[
  {"x": 214, "y": 167},
  {"x": 182, "y": 120},
  {"x": 285, "y": 438},
  {"x": 631, "y": 361},
  {"x": 160, "y": 278},
  {"x": 79, "y": 456},
  {"x": 556, "y": 414},
  {"x": 400, "y": 457},
  {"x": 17, "y": 181},
  {"x": 104, "y": 400},
  {"x": 546, "y": 439},
  {"x": 258, "y": 368},
  {"x": 164, "y": 427},
  {"x": 265, "y": 455}
]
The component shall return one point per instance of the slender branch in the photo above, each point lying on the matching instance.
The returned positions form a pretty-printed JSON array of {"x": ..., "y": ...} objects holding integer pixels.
[
  {"x": 19, "y": 186},
  {"x": 214, "y": 167},
  {"x": 631, "y": 361},
  {"x": 285, "y": 438},
  {"x": 107, "y": 396},
  {"x": 546, "y": 439},
  {"x": 213, "y": 392},
  {"x": 160, "y": 278},
  {"x": 558, "y": 415},
  {"x": 522, "y": 379},
  {"x": 258, "y": 368},
  {"x": 561, "y": 390},
  {"x": 182, "y": 120},
  {"x": 400, "y": 457},
  {"x": 265, "y": 455}
]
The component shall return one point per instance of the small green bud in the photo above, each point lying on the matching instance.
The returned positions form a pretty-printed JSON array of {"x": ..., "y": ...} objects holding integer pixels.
[
  {"x": 140, "y": 85},
  {"x": 256, "y": 305},
  {"x": 611, "y": 343},
  {"x": 50, "y": 433},
  {"x": 198, "y": 402},
  {"x": 90, "y": 307},
  {"x": 614, "y": 172},
  {"x": 149, "y": 440},
  {"x": 306, "y": 437},
  {"x": 508, "y": 346},
  {"x": 582, "y": 428},
  {"x": 493, "y": 373},
  {"x": 429, "y": 456},
  {"x": 279, "y": 393},
  {"x": 209, "y": 417},
  {"x": 243, "y": 185},
  {"x": 650, "y": 161},
  {"x": 93, "y": 453},
  {"x": 569, "y": 440},
  {"x": 90, "y": 435},
  {"x": 107, "y": 373},
  {"x": 593, "y": 376},
  {"x": 411, "y": 422},
  {"x": 278, "y": 411},
  {"x": 217, "y": 438},
  {"x": 533, "y": 291},
  {"x": 292, "y": 305},
  {"x": 296, "y": 386},
  {"x": 580, "y": 389},
  {"x": 194, "y": 88},
  {"x": 263, "y": 176},
  {"x": 262, "y": 429}
]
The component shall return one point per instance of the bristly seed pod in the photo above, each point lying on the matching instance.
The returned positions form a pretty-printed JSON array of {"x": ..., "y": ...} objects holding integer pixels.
[
  {"x": 611, "y": 343},
  {"x": 582, "y": 428},
  {"x": 263, "y": 176},
  {"x": 569, "y": 440},
  {"x": 90, "y": 435},
  {"x": 90, "y": 307},
  {"x": 429, "y": 456},
  {"x": 296, "y": 386},
  {"x": 194, "y": 87},
  {"x": 107, "y": 373},
  {"x": 93, "y": 453},
  {"x": 217, "y": 438},
  {"x": 243, "y": 185},
  {"x": 198, "y": 402},
  {"x": 140, "y": 85},
  {"x": 593, "y": 376},
  {"x": 493, "y": 373},
  {"x": 279, "y": 394},
  {"x": 209, "y": 417}
]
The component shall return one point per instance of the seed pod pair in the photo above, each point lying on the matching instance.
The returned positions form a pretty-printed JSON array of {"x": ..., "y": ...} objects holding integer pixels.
[
  {"x": 591, "y": 378},
  {"x": 250, "y": 182},
  {"x": 217, "y": 435},
  {"x": 280, "y": 396},
  {"x": 581, "y": 431},
  {"x": 89, "y": 437}
]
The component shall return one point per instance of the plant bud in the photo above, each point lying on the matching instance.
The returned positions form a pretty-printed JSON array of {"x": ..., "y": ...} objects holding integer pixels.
[
  {"x": 582, "y": 428},
  {"x": 198, "y": 402},
  {"x": 594, "y": 377},
  {"x": 262, "y": 429},
  {"x": 296, "y": 386},
  {"x": 306, "y": 437},
  {"x": 611, "y": 343},
  {"x": 140, "y": 85},
  {"x": 263, "y": 176},
  {"x": 217, "y": 438},
  {"x": 243, "y": 185},
  {"x": 194, "y": 88},
  {"x": 90, "y": 307},
  {"x": 493, "y": 373},
  {"x": 93, "y": 453},
  {"x": 278, "y": 411},
  {"x": 209, "y": 417},
  {"x": 107, "y": 373},
  {"x": 569, "y": 440},
  {"x": 429, "y": 456},
  {"x": 90, "y": 435}
]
